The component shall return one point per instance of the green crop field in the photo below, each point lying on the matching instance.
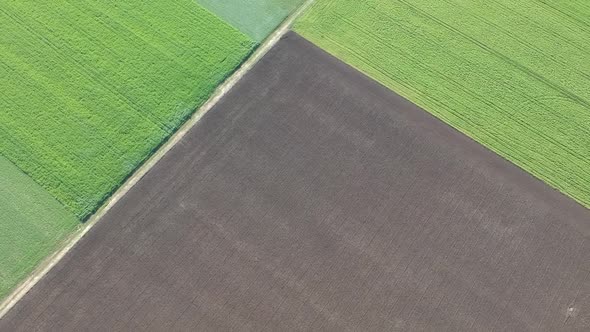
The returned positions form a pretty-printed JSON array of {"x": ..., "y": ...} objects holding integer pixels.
[
  {"x": 32, "y": 223},
  {"x": 513, "y": 75},
  {"x": 256, "y": 18},
  {"x": 90, "y": 88}
]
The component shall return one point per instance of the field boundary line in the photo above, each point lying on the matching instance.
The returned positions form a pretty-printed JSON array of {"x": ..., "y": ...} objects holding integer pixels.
[{"x": 20, "y": 291}]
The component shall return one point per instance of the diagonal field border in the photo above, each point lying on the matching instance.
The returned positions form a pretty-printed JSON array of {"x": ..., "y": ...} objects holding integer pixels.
[{"x": 226, "y": 86}]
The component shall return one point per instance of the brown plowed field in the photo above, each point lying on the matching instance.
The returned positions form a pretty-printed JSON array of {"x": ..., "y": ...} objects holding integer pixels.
[{"x": 313, "y": 198}]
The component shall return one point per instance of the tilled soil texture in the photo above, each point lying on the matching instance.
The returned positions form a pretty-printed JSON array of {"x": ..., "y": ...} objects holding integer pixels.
[{"x": 312, "y": 198}]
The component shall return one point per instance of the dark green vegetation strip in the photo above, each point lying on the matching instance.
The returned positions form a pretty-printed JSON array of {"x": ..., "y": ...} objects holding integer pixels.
[
  {"x": 256, "y": 18},
  {"x": 90, "y": 88},
  {"x": 513, "y": 75},
  {"x": 32, "y": 223}
]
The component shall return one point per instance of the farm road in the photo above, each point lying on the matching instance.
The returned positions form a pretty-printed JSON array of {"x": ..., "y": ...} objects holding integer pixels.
[{"x": 312, "y": 198}]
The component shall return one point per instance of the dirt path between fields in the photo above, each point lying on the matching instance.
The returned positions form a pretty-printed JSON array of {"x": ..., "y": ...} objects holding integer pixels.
[{"x": 72, "y": 240}]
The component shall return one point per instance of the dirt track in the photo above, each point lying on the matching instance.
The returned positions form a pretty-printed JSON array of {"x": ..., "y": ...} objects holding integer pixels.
[{"x": 312, "y": 198}]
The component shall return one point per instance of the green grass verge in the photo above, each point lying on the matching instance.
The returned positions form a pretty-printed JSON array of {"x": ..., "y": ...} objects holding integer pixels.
[
  {"x": 90, "y": 88},
  {"x": 32, "y": 225},
  {"x": 256, "y": 18},
  {"x": 513, "y": 75}
]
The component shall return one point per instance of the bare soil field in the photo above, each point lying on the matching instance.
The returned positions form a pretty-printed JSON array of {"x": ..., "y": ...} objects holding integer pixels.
[{"x": 313, "y": 198}]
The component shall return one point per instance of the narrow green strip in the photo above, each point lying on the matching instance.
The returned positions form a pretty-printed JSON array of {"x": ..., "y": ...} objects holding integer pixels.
[
  {"x": 32, "y": 225},
  {"x": 256, "y": 18}
]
